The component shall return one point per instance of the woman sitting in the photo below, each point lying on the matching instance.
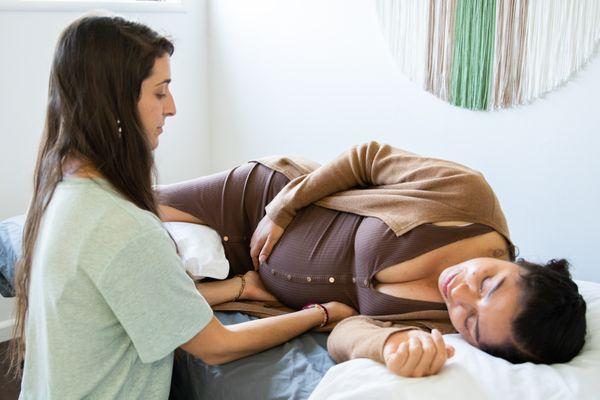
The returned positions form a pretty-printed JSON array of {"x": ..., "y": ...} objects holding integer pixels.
[
  {"x": 102, "y": 297},
  {"x": 419, "y": 242}
]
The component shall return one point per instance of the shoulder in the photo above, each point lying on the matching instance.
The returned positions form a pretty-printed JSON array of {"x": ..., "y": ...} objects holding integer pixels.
[
  {"x": 101, "y": 221},
  {"x": 100, "y": 204}
]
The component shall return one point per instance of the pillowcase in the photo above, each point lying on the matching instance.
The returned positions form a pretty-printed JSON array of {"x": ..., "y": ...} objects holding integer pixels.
[
  {"x": 11, "y": 234},
  {"x": 200, "y": 249}
]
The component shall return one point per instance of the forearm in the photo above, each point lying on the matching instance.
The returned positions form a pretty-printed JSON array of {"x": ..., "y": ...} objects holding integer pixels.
[
  {"x": 219, "y": 344},
  {"x": 258, "y": 335},
  {"x": 219, "y": 292}
]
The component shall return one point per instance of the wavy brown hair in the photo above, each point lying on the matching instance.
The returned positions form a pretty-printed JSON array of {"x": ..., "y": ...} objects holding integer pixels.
[{"x": 95, "y": 83}]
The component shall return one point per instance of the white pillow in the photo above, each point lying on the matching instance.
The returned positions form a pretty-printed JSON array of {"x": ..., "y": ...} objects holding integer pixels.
[
  {"x": 200, "y": 250},
  {"x": 473, "y": 374}
]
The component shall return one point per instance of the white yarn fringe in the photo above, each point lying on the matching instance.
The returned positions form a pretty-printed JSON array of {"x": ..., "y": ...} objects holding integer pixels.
[
  {"x": 440, "y": 41},
  {"x": 509, "y": 52},
  {"x": 561, "y": 37},
  {"x": 404, "y": 25}
]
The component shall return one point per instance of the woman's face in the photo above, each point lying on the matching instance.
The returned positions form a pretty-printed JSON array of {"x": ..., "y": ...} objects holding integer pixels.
[
  {"x": 482, "y": 297},
  {"x": 156, "y": 101}
]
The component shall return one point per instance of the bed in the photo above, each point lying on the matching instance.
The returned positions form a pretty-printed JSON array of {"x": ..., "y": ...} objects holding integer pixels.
[{"x": 302, "y": 369}]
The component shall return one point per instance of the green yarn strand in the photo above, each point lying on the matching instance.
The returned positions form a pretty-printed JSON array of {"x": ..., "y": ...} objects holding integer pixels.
[{"x": 472, "y": 64}]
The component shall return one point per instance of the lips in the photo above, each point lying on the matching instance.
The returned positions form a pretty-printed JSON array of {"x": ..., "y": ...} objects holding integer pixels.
[{"x": 446, "y": 283}]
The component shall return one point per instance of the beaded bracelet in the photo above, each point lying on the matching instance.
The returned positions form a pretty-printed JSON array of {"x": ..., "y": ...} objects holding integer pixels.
[
  {"x": 241, "y": 287},
  {"x": 323, "y": 310}
]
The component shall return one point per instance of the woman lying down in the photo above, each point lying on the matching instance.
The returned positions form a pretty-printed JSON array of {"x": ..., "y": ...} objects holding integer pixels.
[{"x": 418, "y": 246}]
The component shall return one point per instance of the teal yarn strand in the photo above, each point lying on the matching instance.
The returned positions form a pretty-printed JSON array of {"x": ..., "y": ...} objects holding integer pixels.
[{"x": 473, "y": 55}]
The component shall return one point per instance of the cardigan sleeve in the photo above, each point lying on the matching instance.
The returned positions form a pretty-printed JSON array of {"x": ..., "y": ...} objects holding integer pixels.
[
  {"x": 369, "y": 164},
  {"x": 361, "y": 337}
]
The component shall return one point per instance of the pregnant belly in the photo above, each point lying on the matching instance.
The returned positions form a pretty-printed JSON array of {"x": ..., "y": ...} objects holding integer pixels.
[{"x": 313, "y": 262}]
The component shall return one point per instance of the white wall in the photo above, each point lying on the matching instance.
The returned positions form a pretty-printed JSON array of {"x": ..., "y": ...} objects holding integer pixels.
[
  {"x": 27, "y": 42},
  {"x": 314, "y": 77}
]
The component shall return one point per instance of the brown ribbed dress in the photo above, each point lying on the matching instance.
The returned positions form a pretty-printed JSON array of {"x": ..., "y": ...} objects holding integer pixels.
[{"x": 324, "y": 255}]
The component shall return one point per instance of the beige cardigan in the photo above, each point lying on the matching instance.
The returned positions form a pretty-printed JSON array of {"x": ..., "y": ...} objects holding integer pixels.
[{"x": 402, "y": 189}]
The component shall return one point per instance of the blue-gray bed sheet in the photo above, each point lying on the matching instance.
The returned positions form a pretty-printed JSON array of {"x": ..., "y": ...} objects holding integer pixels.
[{"x": 289, "y": 371}]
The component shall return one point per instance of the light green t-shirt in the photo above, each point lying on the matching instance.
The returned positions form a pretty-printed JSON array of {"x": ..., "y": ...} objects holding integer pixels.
[{"x": 109, "y": 300}]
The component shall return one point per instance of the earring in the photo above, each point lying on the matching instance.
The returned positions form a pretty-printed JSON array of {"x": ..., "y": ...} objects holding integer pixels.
[{"x": 119, "y": 128}]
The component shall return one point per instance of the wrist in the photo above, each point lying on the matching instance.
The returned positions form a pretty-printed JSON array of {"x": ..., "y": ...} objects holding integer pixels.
[
  {"x": 242, "y": 287},
  {"x": 322, "y": 311},
  {"x": 393, "y": 341}
]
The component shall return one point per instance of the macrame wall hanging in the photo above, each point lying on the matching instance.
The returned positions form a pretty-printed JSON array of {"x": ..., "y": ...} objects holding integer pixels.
[{"x": 490, "y": 54}]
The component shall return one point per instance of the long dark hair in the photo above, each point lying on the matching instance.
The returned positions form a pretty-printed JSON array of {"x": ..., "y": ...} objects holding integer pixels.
[
  {"x": 551, "y": 325},
  {"x": 95, "y": 82}
]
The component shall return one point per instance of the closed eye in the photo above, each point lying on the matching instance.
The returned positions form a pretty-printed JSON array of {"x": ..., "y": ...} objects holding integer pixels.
[
  {"x": 469, "y": 324},
  {"x": 482, "y": 282}
]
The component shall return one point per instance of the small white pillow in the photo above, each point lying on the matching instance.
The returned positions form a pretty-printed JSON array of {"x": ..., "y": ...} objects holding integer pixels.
[{"x": 200, "y": 250}]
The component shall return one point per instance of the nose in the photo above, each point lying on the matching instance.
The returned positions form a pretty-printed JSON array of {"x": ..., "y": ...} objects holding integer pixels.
[
  {"x": 170, "y": 108},
  {"x": 463, "y": 294}
]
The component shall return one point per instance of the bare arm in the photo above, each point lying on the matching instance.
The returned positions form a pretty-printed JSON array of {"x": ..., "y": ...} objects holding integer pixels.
[
  {"x": 220, "y": 292},
  {"x": 219, "y": 344}
]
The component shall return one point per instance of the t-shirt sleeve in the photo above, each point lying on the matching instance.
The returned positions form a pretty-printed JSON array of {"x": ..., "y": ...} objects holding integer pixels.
[{"x": 153, "y": 298}]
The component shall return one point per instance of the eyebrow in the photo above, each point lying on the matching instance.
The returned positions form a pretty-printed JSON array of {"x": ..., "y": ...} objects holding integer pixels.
[
  {"x": 488, "y": 296},
  {"x": 163, "y": 82}
]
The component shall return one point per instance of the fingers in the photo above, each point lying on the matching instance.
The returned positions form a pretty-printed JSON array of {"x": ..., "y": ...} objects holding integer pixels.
[
  {"x": 422, "y": 355},
  {"x": 441, "y": 353},
  {"x": 450, "y": 351},
  {"x": 265, "y": 247},
  {"x": 256, "y": 244},
  {"x": 396, "y": 360},
  {"x": 428, "y": 355},
  {"x": 254, "y": 253},
  {"x": 262, "y": 242},
  {"x": 415, "y": 351},
  {"x": 266, "y": 250}
]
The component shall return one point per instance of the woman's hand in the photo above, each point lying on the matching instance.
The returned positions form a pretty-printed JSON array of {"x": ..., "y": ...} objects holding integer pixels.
[
  {"x": 254, "y": 289},
  {"x": 338, "y": 311},
  {"x": 266, "y": 235},
  {"x": 416, "y": 353}
]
